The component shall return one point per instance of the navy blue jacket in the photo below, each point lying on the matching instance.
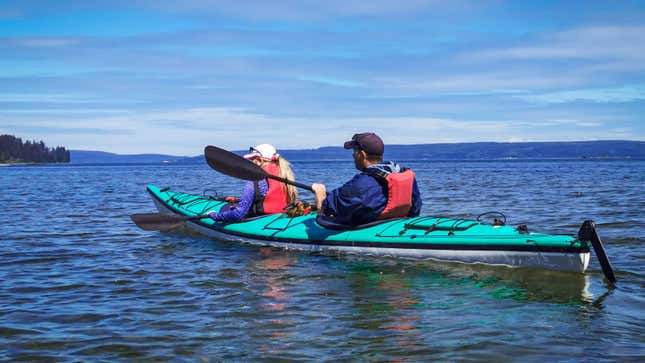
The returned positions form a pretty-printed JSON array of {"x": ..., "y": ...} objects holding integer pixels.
[{"x": 362, "y": 199}]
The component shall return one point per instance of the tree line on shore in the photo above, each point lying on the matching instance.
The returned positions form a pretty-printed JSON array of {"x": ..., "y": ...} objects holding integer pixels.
[{"x": 14, "y": 150}]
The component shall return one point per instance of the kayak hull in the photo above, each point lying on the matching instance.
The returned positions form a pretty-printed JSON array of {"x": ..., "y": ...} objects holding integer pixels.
[{"x": 569, "y": 255}]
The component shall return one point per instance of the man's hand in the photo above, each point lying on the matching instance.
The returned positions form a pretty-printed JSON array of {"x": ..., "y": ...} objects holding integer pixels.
[{"x": 320, "y": 192}]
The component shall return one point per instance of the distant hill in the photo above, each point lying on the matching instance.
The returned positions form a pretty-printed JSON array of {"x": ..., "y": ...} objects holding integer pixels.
[
  {"x": 456, "y": 151},
  {"x": 519, "y": 150},
  {"x": 102, "y": 157},
  {"x": 479, "y": 151}
]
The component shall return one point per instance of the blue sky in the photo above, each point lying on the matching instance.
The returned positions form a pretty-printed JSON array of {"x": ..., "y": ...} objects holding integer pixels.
[{"x": 145, "y": 76}]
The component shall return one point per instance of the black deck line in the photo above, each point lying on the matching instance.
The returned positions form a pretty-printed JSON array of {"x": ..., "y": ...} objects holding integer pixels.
[{"x": 413, "y": 246}]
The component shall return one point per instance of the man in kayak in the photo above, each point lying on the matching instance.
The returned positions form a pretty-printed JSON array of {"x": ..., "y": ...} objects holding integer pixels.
[
  {"x": 265, "y": 196},
  {"x": 382, "y": 190}
]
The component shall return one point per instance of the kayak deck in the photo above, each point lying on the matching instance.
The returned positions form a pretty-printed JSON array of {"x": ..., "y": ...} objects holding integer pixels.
[{"x": 420, "y": 237}]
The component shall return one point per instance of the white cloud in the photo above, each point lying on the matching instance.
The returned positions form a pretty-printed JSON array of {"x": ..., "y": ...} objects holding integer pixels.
[
  {"x": 68, "y": 111},
  {"x": 473, "y": 83},
  {"x": 331, "y": 81},
  {"x": 624, "y": 43},
  {"x": 186, "y": 132},
  {"x": 302, "y": 11},
  {"x": 549, "y": 122},
  {"x": 52, "y": 83},
  {"x": 566, "y": 63},
  {"x": 599, "y": 95},
  {"x": 47, "y": 42},
  {"x": 46, "y": 97}
]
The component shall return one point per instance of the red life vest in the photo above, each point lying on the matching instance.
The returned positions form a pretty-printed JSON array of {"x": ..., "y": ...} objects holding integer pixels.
[
  {"x": 276, "y": 198},
  {"x": 399, "y": 195}
]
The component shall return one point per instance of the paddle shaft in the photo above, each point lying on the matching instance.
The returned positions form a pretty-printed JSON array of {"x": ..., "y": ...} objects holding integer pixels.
[
  {"x": 196, "y": 218},
  {"x": 290, "y": 182}
]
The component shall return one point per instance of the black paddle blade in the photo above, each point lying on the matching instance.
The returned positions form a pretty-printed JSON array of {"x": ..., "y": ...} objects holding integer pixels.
[
  {"x": 232, "y": 164},
  {"x": 236, "y": 166},
  {"x": 157, "y": 221}
]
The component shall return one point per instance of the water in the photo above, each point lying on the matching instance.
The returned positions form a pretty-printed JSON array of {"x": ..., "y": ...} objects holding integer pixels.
[{"x": 80, "y": 282}]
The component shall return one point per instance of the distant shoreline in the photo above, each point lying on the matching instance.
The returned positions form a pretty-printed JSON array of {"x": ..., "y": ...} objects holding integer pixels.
[
  {"x": 16, "y": 164},
  {"x": 573, "y": 150},
  {"x": 334, "y": 160},
  {"x": 29, "y": 164},
  {"x": 398, "y": 160}
]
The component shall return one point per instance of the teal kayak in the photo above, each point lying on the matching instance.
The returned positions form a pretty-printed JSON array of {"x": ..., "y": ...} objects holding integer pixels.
[{"x": 444, "y": 239}]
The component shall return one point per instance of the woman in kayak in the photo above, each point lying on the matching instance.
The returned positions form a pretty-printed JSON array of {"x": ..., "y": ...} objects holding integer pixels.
[{"x": 265, "y": 196}]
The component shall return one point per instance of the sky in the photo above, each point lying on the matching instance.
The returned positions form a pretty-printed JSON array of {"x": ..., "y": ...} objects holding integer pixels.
[{"x": 147, "y": 76}]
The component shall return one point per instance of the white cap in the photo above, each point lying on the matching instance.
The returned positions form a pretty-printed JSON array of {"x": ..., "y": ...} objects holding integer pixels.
[{"x": 264, "y": 151}]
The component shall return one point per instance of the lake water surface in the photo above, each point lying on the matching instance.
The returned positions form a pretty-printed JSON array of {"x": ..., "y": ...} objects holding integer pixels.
[{"x": 80, "y": 282}]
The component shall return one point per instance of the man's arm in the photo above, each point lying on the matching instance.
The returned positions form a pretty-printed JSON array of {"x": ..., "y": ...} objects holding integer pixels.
[
  {"x": 415, "y": 210},
  {"x": 358, "y": 201}
]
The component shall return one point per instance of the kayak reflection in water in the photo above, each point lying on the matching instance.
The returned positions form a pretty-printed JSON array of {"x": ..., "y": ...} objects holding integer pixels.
[
  {"x": 265, "y": 196},
  {"x": 382, "y": 190}
]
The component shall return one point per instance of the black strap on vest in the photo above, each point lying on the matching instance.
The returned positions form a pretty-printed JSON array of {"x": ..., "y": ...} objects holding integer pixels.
[
  {"x": 380, "y": 174},
  {"x": 257, "y": 207}
]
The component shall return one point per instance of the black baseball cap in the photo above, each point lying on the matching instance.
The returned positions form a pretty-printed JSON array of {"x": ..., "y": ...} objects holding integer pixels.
[{"x": 366, "y": 141}]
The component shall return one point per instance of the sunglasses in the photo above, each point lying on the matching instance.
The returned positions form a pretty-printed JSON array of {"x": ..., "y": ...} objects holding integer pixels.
[
  {"x": 255, "y": 151},
  {"x": 258, "y": 154}
]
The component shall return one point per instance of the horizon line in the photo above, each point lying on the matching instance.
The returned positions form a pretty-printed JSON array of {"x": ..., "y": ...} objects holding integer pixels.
[{"x": 390, "y": 145}]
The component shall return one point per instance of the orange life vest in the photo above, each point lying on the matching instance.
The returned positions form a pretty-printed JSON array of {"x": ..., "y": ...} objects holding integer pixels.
[
  {"x": 399, "y": 195},
  {"x": 276, "y": 198}
]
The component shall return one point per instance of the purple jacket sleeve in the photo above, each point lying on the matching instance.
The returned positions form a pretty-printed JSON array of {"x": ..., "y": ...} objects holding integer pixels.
[{"x": 243, "y": 207}]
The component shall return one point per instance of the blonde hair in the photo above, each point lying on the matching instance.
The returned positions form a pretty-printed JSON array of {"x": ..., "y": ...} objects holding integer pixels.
[{"x": 287, "y": 173}]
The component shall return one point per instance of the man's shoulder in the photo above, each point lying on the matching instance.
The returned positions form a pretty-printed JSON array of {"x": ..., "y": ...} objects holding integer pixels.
[
  {"x": 358, "y": 184},
  {"x": 364, "y": 178}
]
